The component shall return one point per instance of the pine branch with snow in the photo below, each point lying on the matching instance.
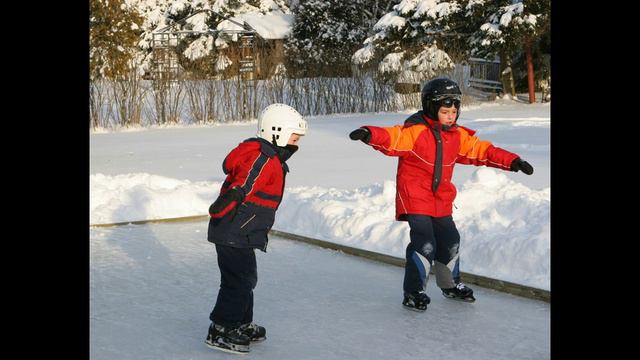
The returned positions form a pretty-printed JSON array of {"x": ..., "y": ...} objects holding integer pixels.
[
  {"x": 506, "y": 26},
  {"x": 413, "y": 33},
  {"x": 324, "y": 33}
]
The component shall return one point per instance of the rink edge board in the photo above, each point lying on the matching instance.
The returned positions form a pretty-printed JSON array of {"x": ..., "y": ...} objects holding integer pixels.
[{"x": 483, "y": 281}]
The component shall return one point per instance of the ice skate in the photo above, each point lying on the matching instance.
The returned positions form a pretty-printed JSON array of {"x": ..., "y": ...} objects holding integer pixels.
[
  {"x": 254, "y": 332},
  {"x": 459, "y": 292},
  {"x": 227, "y": 339},
  {"x": 416, "y": 301}
]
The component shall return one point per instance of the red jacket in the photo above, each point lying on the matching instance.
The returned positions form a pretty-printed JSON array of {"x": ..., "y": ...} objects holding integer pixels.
[
  {"x": 254, "y": 167},
  {"x": 427, "y": 153}
]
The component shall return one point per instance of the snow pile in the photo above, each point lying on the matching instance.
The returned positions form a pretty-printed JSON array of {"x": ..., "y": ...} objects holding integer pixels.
[
  {"x": 362, "y": 218},
  {"x": 504, "y": 225},
  {"x": 133, "y": 197},
  {"x": 505, "y": 229}
]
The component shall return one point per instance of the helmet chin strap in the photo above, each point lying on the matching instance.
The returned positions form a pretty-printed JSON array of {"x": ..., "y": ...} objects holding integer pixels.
[{"x": 286, "y": 151}]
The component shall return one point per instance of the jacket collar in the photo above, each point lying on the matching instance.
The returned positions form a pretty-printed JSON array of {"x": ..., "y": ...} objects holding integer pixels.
[
  {"x": 269, "y": 150},
  {"x": 266, "y": 147},
  {"x": 421, "y": 118}
]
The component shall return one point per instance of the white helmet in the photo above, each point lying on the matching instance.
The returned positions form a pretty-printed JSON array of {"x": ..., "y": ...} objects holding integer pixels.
[{"x": 281, "y": 121}]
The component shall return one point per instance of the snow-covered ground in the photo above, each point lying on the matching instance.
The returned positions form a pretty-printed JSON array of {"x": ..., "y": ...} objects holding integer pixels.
[
  {"x": 343, "y": 191},
  {"x": 153, "y": 286}
]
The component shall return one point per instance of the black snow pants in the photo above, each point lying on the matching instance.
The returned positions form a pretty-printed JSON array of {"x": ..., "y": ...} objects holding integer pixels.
[
  {"x": 238, "y": 278},
  {"x": 433, "y": 240}
]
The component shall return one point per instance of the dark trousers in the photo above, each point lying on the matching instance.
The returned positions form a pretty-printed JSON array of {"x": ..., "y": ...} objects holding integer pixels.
[
  {"x": 434, "y": 242},
  {"x": 238, "y": 278}
]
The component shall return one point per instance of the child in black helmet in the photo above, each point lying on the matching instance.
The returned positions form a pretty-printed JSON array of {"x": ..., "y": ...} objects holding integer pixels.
[{"x": 428, "y": 145}]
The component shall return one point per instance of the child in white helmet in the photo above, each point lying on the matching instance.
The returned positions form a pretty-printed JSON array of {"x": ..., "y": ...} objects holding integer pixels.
[{"x": 241, "y": 217}]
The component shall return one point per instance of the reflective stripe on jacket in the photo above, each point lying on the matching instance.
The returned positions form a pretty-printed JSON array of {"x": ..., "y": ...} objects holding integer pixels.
[{"x": 254, "y": 167}]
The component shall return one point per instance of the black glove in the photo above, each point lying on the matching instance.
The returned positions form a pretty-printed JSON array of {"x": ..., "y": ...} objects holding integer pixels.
[
  {"x": 519, "y": 164},
  {"x": 361, "y": 134},
  {"x": 217, "y": 209}
]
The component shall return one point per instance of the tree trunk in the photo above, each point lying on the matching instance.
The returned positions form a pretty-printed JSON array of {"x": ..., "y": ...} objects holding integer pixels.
[
  {"x": 530, "y": 76},
  {"x": 506, "y": 75}
]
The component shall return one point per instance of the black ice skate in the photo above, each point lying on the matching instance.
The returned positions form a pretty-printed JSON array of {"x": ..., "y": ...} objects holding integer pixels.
[
  {"x": 254, "y": 332},
  {"x": 416, "y": 301},
  {"x": 227, "y": 339},
  {"x": 459, "y": 292}
]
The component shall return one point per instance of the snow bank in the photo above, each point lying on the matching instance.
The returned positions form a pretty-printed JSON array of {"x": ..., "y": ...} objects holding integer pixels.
[
  {"x": 133, "y": 197},
  {"x": 504, "y": 225}
]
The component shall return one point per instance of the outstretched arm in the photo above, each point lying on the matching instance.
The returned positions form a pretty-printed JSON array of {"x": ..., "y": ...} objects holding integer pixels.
[
  {"x": 393, "y": 141},
  {"x": 478, "y": 152}
]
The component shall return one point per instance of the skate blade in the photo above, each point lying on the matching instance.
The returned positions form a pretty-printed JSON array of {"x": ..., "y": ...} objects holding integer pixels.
[
  {"x": 467, "y": 299},
  {"x": 412, "y": 308},
  {"x": 242, "y": 350}
]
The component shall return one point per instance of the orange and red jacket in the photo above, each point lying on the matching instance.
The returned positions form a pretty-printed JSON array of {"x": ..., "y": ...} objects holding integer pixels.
[
  {"x": 254, "y": 168},
  {"x": 427, "y": 153}
]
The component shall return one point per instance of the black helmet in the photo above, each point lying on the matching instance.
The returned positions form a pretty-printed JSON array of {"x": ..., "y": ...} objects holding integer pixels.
[{"x": 437, "y": 92}]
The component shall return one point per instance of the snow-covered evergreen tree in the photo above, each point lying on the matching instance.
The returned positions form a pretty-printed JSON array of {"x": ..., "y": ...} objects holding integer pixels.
[
  {"x": 420, "y": 38},
  {"x": 325, "y": 33},
  {"x": 507, "y": 24},
  {"x": 510, "y": 27},
  {"x": 410, "y": 39},
  {"x": 114, "y": 28}
]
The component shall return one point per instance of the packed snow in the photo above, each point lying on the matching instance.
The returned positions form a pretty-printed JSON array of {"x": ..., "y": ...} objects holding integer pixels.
[{"x": 343, "y": 191}]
